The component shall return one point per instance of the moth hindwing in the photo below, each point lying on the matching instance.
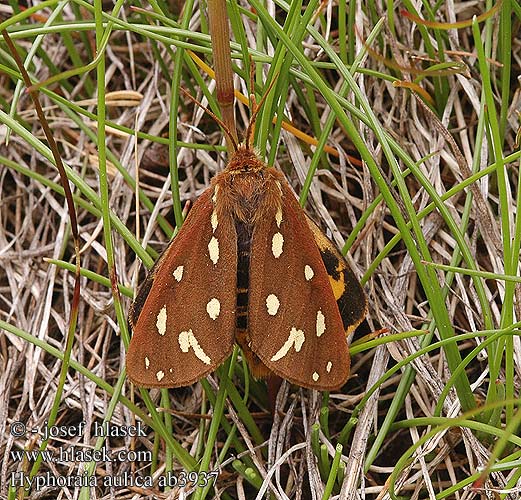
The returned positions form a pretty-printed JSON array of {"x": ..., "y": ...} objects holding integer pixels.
[
  {"x": 248, "y": 265},
  {"x": 349, "y": 295}
]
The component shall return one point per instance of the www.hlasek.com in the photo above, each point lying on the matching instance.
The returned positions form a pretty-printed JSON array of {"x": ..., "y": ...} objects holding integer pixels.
[{"x": 77, "y": 453}]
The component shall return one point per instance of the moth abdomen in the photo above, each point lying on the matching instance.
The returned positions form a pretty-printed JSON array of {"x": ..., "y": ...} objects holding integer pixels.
[
  {"x": 244, "y": 233},
  {"x": 244, "y": 236}
]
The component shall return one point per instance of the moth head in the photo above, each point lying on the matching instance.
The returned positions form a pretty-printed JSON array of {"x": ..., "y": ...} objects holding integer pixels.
[{"x": 244, "y": 159}]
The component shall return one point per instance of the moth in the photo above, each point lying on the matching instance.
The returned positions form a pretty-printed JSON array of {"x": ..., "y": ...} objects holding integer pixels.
[{"x": 247, "y": 266}]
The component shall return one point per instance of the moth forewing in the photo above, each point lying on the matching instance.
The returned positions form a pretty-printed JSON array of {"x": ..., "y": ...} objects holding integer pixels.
[
  {"x": 295, "y": 326},
  {"x": 183, "y": 319}
]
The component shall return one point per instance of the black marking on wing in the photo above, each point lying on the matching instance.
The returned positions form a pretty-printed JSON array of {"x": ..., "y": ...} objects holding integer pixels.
[
  {"x": 330, "y": 260},
  {"x": 141, "y": 297},
  {"x": 352, "y": 303}
]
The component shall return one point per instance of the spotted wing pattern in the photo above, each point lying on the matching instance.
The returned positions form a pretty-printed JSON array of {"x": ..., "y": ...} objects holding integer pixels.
[
  {"x": 185, "y": 329},
  {"x": 295, "y": 326}
]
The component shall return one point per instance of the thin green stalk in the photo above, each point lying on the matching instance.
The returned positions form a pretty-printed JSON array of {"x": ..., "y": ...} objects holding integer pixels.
[
  {"x": 172, "y": 128},
  {"x": 343, "y": 32},
  {"x": 507, "y": 311},
  {"x": 475, "y": 272},
  {"x": 101, "y": 38},
  {"x": 328, "y": 491},
  {"x": 90, "y": 469},
  {"x": 239, "y": 34},
  {"x": 278, "y": 68},
  {"x": 331, "y": 119},
  {"x": 505, "y": 57},
  {"x": 218, "y": 411}
]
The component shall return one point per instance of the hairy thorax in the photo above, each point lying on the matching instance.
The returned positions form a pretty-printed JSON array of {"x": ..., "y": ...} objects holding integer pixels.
[{"x": 248, "y": 190}]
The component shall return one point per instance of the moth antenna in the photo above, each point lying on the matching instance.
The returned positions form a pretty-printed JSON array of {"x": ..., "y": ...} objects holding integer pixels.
[
  {"x": 255, "y": 111},
  {"x": 252, "y": 76},
  {"x": 226, "y": 130},
  {"x": 250, "y": 131}
]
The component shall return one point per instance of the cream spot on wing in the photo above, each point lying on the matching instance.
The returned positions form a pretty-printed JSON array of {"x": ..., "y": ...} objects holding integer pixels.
[
  {"x": 213, "y": 248},
  {"x": 308, "y": 272},
  {"x": 147, "y": 362},
  {"x": 315, "y": 376},
  {"x": 171, "y": 370},
  {"x": 214, "y": 221},
  {"x": 184, "y": 340},
  {"x": 161, "y": 321},
  {"x": 329, "y": 366},
  {"x": 214, "y": 197},
  {"x": 321, "y": 323},
  {"x": 276, "y": 245},
  {"x": 178, "y": 273},
  {"x": 213, "y": 308},
  {"x": 272, "y": 304},
  {"x": 296, "y": 337},
  {"x": 278, "y": 216},
  {"x": 160, "y": 375},
  {"x": 187, "y": 340}
]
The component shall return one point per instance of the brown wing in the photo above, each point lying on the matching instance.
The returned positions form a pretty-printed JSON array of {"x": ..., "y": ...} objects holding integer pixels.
[
  {"x": 183, "y": 318},
  {"x": 294, "y": 323}
]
